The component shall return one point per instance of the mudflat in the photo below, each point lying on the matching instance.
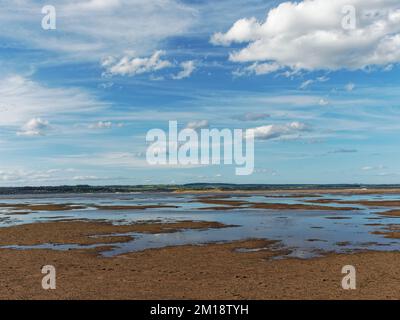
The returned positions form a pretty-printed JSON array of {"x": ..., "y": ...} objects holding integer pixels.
[
  {"x": 232, "y": 204},
  {"x": 89, "y": 232},
  {"x": 215, "y": 271},
  {"x": 250, "y": 268}
]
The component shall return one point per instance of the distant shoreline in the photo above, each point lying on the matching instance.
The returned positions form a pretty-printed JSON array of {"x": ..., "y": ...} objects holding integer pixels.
[{"x": 205, "y": 188}]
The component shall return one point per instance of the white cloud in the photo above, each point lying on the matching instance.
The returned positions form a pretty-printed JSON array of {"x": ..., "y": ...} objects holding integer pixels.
[
  {"x": 93, "y": 29},
  {"x": 187, "y": 69},
  {"x": 105, "y": 125},
  {"x": 309, "y": 82},
  {"x": 275, "y": 131},
  {"x": 94, "y": 5},
  {"x": 309, "y": 35},
  {"x": 132, "y": 65},
  {"x": 243, "y": 30},
  {"x": 388, "y": 68},
  {"x": 370, "y": 168},
  {"x": 22, "y": 99},
  {"x": 34, "y": 127},
  {"x": 306, "y": 84},
  {"x": 86, "y": 178},
  {"x": 323, "y": 102},
  {"x": 23, "y": 176},
  {"x": 258, "y": 69}
]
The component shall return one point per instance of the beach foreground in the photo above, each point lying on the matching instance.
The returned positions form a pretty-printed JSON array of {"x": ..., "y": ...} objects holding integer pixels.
[
  {"x": 214, "y": 271},
  {"x": 280, "y": 245},
  {"x": 197, "y": 272}
]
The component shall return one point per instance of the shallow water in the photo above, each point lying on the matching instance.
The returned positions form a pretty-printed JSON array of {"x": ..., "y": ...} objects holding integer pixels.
[{"x": 307, "y": 233}]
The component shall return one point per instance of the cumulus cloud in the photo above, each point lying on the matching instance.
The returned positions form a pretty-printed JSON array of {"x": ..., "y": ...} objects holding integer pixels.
[
  {"x": 188, "y": 68},
  {"x": 34, "y": 127},
  {"x": 243, "y": 30},
  {"x": 309, "y": 35},
  {"x": 275, "y": 131},
  {"x": 132, "y": 65}
]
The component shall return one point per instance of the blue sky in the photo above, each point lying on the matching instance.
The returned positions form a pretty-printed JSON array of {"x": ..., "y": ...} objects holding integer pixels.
[{"x": 76, "y": 102}]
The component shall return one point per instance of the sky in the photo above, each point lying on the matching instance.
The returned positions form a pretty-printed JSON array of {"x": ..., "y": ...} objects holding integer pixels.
[{"x": 317, "y": 80}]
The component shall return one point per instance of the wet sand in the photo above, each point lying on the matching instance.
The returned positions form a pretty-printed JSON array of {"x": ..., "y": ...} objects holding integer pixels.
[
  {"x": 68, "y": 207},
  {"x": 216, "y": 271},
  {"x": 271, "y": 206},
  {"x": 89, "y": 232},
  {"x": 394, "y": 203},
  {"x": 391, "y": 231},
  {"x": 391, "y": 213},
  {"x": 41, "y": 207}
]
